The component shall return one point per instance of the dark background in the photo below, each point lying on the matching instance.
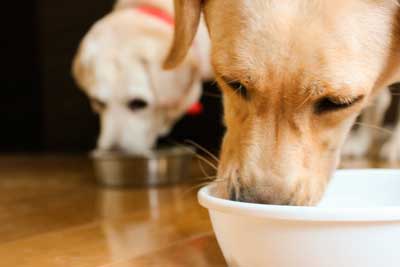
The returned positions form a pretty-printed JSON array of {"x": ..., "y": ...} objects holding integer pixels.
[{"x": 41, "y": 109}]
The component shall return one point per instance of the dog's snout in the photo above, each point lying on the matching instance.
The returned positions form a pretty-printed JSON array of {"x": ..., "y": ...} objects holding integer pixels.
[
  {"x": 241, "y": 193},
  {"x": 232, "y": 193},
  {"x": 257, "y": 193}
]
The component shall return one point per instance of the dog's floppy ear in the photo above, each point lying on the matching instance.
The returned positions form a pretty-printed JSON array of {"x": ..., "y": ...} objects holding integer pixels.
[
  {"x": 187, "y": 20},
  {"x": 79, "y": 70},
  {"x": 82, "y": 63}
]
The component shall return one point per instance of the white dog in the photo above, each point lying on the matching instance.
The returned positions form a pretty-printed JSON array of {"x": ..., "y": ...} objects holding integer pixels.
[{"x": 118, "y": 65}]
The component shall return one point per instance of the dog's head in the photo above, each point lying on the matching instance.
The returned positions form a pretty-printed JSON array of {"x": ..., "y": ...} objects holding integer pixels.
[
  {"x": 295, "y": 75},
  {"x": 118, "y": 65}
]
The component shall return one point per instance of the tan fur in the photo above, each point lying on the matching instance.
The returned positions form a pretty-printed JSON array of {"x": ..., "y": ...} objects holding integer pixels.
[
  {"x": 290, "y": 54},
  {"x": 187, "y": 17}
]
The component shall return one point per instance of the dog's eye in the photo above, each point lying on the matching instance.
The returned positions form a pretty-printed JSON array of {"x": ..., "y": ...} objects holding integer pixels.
[
  {"x": 239, "y": 89},
  {"x": 97, "y": 104},
  {"x": 137, "y": 104},
  {"x": 328, "y": 104}
]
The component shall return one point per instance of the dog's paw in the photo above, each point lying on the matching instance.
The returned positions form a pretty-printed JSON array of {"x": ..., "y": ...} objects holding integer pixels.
[
  {"x": 391, "y": 150},
  {"x": 356, "y": 145}
]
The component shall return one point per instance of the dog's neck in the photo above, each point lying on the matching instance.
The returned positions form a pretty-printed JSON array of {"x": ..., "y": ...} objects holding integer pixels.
[
  {"x": 202, "y": 49},
  {"x": 166, "y": 6}
]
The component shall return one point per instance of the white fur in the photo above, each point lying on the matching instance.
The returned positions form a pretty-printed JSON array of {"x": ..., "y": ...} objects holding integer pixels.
[{"x": 120, "y": 60}]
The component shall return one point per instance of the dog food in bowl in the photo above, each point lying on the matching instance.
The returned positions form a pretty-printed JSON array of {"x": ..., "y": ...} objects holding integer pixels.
[{"x": 357, "y": 224}]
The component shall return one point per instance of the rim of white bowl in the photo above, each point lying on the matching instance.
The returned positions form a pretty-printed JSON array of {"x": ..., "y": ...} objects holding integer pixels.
[{"x": 292, "y": 213}]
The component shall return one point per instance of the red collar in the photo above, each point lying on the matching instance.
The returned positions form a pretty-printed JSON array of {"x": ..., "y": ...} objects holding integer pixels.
[{"x": 156, "y": 13}]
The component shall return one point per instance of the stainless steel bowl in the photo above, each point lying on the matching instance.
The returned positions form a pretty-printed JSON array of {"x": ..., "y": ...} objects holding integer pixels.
[{"x": 160, "y": 167}]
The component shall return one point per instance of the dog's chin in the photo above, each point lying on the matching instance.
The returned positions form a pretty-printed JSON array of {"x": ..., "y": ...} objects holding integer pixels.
[
  {"x": 303, "y": 193},
  {"x": 270, "y": 198}
]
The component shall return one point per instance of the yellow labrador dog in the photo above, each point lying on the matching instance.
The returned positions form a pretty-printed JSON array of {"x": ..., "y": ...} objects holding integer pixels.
[
  {"x": 295, "y": 74},
  {"x": 119, "y": 67}
]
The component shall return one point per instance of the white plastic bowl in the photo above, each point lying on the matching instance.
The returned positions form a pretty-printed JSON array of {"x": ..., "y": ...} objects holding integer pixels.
[{"x": 357, "y": 224}]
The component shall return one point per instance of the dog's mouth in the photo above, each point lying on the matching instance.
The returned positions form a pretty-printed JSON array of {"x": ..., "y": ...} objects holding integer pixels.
[{"x": 240, "y": 193}]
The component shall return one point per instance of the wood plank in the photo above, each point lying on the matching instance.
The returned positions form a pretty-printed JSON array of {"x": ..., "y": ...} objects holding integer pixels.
[{"x": 53, "y": 214}]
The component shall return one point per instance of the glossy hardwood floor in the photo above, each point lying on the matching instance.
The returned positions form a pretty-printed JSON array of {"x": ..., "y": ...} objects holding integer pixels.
[{"x": 52, "y": 213}]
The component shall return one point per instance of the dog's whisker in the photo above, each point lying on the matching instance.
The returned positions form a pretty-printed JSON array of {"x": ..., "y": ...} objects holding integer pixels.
[
  {"x": 305, "y": 101},
  {"x": 203, "y": 171},
  {"x": 197, "y": 186},
  {"x": 214, "y": 82},
  {"x": 232, "y": 80},
  {"x": 208, "y": 94},
  {"x": 209, "y": 163},
  {"x": 201, "y": 167},
  {"x": 206, "y": 178},
  {"x": 374, "y": 127},
  {"x": 200, "y": 157},
  {"x": 190, "y": 142}
]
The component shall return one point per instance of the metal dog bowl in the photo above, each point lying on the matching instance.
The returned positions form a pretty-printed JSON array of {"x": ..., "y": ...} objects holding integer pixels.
[{"x": 161, "y": 167}]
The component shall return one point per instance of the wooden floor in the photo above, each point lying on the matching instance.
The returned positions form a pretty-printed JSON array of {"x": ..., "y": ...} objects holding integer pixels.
[{"x": 53, "y": 214}]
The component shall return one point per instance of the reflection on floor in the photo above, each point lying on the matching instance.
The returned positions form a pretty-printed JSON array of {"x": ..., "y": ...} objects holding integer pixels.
[{"x": 53, "y": 214}]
